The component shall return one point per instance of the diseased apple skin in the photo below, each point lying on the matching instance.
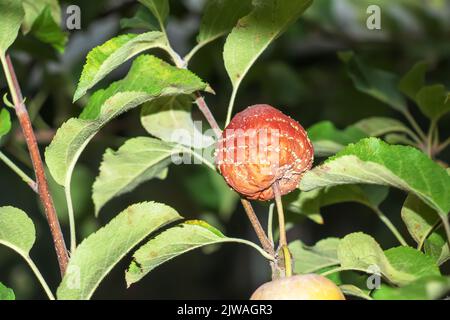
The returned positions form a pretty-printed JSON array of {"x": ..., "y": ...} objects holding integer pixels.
[
  {"x": 262, "y": 145},
  {"x": 299, "y": 287}
]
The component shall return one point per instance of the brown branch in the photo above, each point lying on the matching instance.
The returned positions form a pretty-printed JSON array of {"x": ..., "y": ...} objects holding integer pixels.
[
  {"x": 42, "y": 136},
  {"x": 199, "y": 100},
  {"x": 201, "y": 103},
  {"x": 265, "y": 242},
  {"x": 44, "y": 194}
]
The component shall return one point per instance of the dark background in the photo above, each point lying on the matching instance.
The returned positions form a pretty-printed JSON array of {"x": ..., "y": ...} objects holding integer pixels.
[{"x": 300, "y": 74}]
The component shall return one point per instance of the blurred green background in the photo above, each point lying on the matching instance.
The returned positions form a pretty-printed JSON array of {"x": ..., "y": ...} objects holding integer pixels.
[{"x": 300, "y": 74}]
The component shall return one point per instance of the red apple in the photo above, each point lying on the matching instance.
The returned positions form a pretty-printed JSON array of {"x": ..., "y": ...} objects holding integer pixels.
[{"x": 260, "y": 146}]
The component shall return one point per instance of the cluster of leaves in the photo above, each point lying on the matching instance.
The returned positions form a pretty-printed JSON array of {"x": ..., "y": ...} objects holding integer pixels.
[
  {"x": 166, "y": 94},
  {"x": 41, "y": 19},
  {"x": 345, "y": 18},
  {"x": 432, "y": 100},
  {"x": 361, "y": 168},
  {"x": 408, "y": 272}
]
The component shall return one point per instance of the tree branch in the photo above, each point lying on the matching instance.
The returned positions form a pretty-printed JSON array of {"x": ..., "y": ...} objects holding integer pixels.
[
  {"x": 41, "y": 180},
  {"x": 201, "y": 103},
  {"x": 265, "y": 242}
]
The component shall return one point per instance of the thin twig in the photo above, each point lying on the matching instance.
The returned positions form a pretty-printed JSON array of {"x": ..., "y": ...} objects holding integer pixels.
[
  {"x": 283, "y": 246},
  {"x": 19, "y": 172},
  {"x": 201, "y": 103},
  {"x": 40, "y": 278},
  {"x": 390, "y": 225},
  {"x": 281, "y": 222},
  {"x": 231, "y": 105},
  {"x": 425, "y": 236},
  {"x": 414, "y": 136},
  {"x": 270, "y": 223},
  {"x": 446, "y": 224},
  {"x": 71, "y": 215},
  {"x": 199, "y": 100},
  {"x": 430, "y": 139},
  {"x": 265, "y": 242},
  {"x": 443, "y": 145},
  {"x": 30, "y": 138},
  {"x": 251, "y": 244},
  {"x": 19, "y": 154},
  {"x": 414, "y": 124},
  {"x": 193, "y": 51}
]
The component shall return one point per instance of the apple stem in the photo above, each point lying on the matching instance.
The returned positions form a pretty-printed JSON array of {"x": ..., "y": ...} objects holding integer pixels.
[
  {"x": 281, "y": 222},
  {"x": 283, "y": 246},
  {"x": 287, "y": 261}
]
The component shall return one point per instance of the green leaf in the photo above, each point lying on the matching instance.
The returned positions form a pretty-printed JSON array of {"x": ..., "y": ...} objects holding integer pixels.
[
  {"x": 352, "y": 290},
  {"x": 325, "y": 130},
  {"x": 379, "y": 126},
  {"x": 171, "y": 243},
  {"x": 220, "y": 16},
  {"x": 419, "y": 218},
  {"x": 11, "y": 17},
  {"x": 396, "y": 138},
  {"x": 311, "y": 259},
  {"x": 159, "y": 8},
  {"x": 142, "y": 19},
  {"x": 5, "y": 122},
  {"x": 47, "y": 30},
  {"x": 401, "y": 265},
  {"x": 254, "y": 33},
  {"x": 328, "y": 140},
  {"x": 108, "y": 56},
  {"x": 433, "y": 101},
  {"x": 412, "y": 261},
  {"x": 310, "y": 202},
  {"x": 169, "y": 118},
  {"x": 413, "y": 80},
  {"x": 6, "y": 293},
  {"x": 372, "y": 161},
  {"x": 137, "y": 160},
  {"x": 377, "y": 83},
  {"x": 437, "y": 246},
  {"x": 99, "y": 253},
  {"x": 358, "y": 251},
  {"x": 427, "y": 288},
  {"x": 148, "y": 78},
  {"x": 16, "y": 230},
  {"x": 34, "y": 8},
  {"x": 353, "y": 282}
]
